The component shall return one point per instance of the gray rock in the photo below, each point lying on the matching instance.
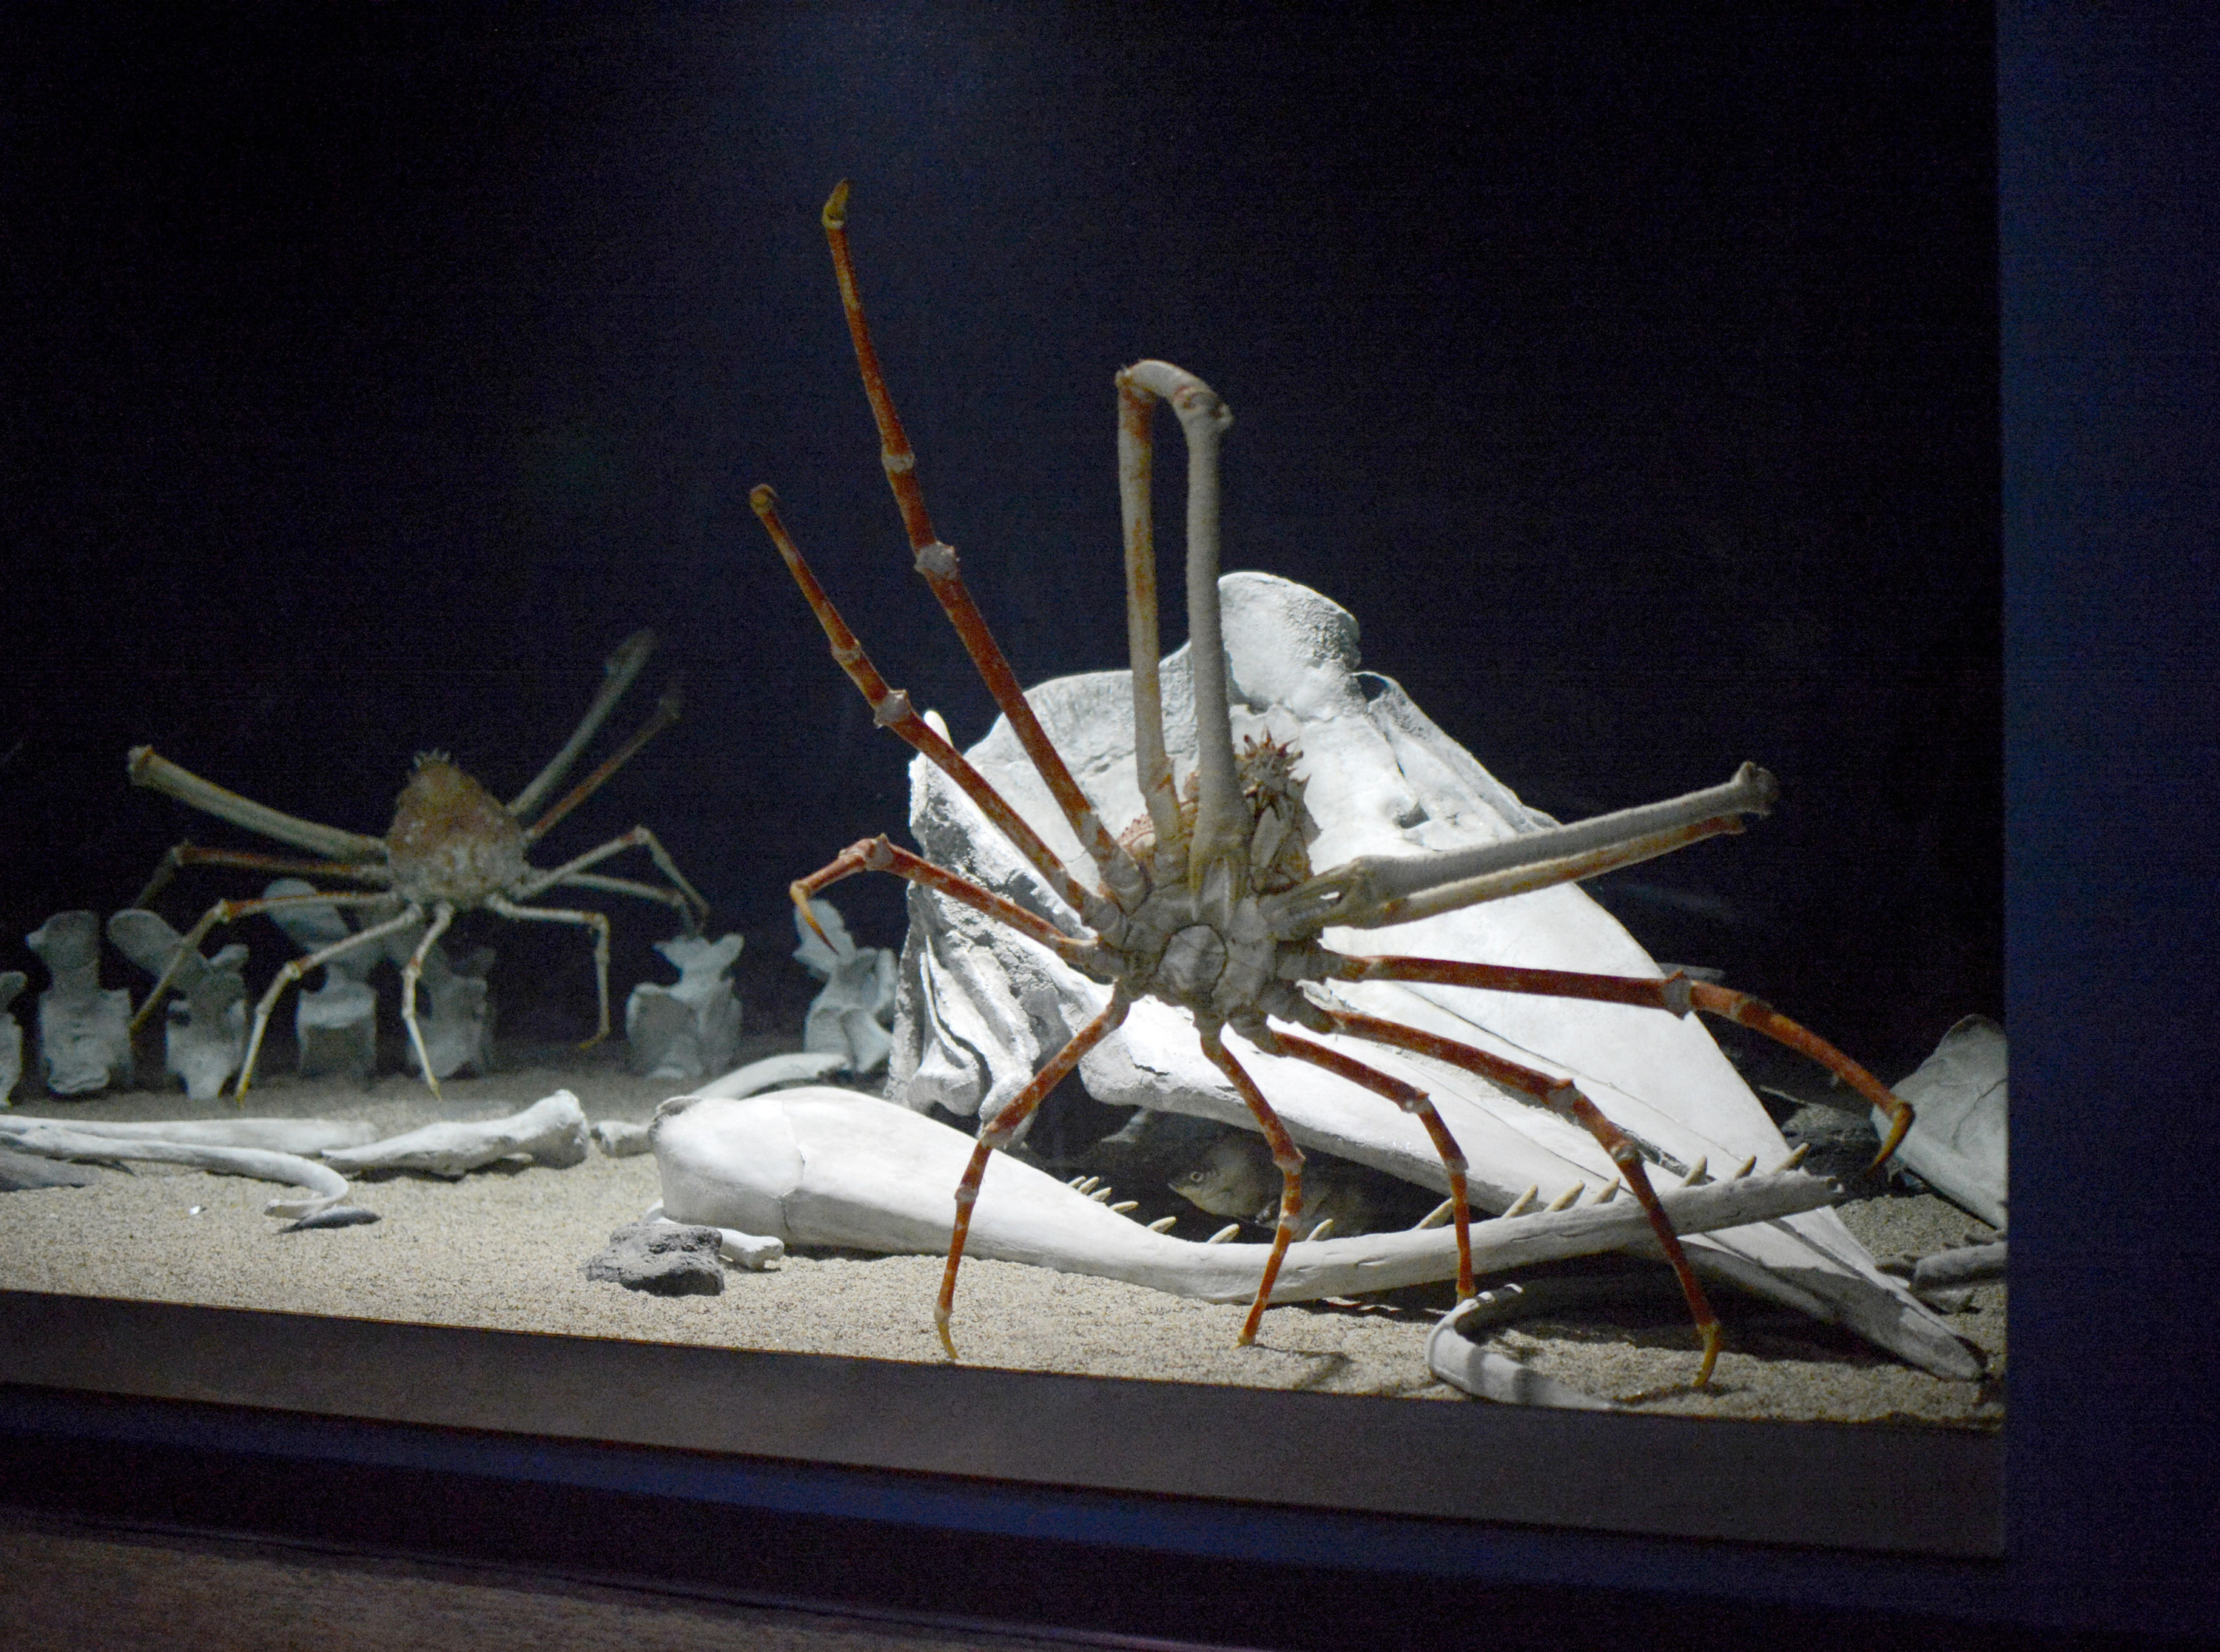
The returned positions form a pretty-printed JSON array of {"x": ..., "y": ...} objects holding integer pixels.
[{"x": 661, "y": 1258}]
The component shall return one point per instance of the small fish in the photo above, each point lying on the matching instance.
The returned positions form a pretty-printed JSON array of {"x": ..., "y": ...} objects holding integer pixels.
[
  {"x": 1237, "y": 1178},
  {"x": 333, "y": 1216}
]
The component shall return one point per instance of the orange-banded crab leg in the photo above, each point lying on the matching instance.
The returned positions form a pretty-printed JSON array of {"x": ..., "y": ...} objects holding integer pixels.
[
  {"x": 226, "y": 912},
  {"x": 1760, "y": 1017},
  {"x": 1675, "y": 994},
  {"x": 1563, "y": 1097},
  {"x": 294, "y": 969},
  {"x": 1222, "y": 826},
  {"x": 667, "y": 709},
  {"x": 878, "y": 855},
  {"x": 623, "y": 665},
  {"x": 185, "y": 854},
  {"x": 937, "y": 561},
  {"x": 891, "y": 708},
  {"x": 1285, "y": 1154},
  {"x": 999, "y": 1134},
  {"x": 1413, "y": 1101},
  {"x": 1375, "y": 890}
]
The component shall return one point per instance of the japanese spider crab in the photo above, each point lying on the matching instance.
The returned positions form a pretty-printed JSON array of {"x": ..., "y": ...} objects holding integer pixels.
[
  {"x": 1209, "y": 903},
  {"x": 453, "y": 847}
]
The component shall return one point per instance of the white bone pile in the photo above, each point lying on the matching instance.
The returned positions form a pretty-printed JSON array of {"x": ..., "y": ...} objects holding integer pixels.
[{"x": 980, "y": 1009}]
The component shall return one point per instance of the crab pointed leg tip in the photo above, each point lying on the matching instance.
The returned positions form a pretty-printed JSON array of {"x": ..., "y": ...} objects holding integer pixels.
[
  {"x": 836, "y": 217},
  {"x": 947, "y": 1342},
  {"x": 1711, "y": 1335}
]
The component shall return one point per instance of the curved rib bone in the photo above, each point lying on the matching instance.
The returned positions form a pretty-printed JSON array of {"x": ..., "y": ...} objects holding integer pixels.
[{"x": 325, "y": 1186}]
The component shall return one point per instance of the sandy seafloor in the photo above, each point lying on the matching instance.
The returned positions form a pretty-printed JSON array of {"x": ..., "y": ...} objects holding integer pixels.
[{"x": 503, "y": 1248}]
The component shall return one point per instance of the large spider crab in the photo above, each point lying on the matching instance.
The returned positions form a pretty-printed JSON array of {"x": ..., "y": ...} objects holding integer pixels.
[
  {"x": 453, "y": 847},
  {"x": 1209, "y": 903}
]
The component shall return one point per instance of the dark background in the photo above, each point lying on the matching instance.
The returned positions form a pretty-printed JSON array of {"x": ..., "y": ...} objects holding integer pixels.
[{"x": 1633, "y": 379}]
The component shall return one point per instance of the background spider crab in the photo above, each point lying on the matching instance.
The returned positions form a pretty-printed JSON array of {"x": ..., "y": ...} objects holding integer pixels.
[
  {"x": 1210, "y": 906},
  {"x": 453, "y": 847}
]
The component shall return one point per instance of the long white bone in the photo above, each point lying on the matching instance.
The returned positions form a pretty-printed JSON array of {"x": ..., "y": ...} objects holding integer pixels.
[
  {"x": 825, "y": 1167},
  {"x": 551, "y": 1130}
]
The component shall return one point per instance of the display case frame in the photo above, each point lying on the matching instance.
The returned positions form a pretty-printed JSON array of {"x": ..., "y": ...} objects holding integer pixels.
[{"x": 2083, "y": 1514}]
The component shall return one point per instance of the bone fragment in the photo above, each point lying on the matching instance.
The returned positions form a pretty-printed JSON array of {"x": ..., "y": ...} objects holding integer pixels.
[
  {"x": 850, "y": 1017},
  {"x": 11, "y": 1035},
  {"x": 333, "y": 1216},
  {"x": 551, "y": 1131},
  {"x": 689, "y": 1030},
  {"x": 84, "y": 1030},
  {"x": 325, "y": 1186},
  {"x": 1970, "y": 1264},
  {"x": 774, "y": 1073},
  {"x": 1960, "y": 1100},
  {"x": 833, "y": 1168},
  {"x": 620, "y": 1139},
  {"x": 302, "y": 1136},
  {"x": 204, "y": 1024}
]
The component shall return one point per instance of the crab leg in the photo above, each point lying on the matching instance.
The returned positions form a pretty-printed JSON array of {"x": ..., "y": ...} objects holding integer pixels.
[
  {"x": 1221, "y": 829},
  {"x": 638, "y": 838},
  {"x": 1563, "y": 1098},
  {"x": 891, "y": 708},
  {"x": 1003, "y": 1130},
  {"x": 936, "y": 562},
  {"x": 148, "y": 768},
  {"x": 294, "y": 969},
  {"x": 1152, "y": 763},
  {"x": 1375, "y": 890},
  {"x": 225, "y": 912},
  {"x": 1413, "y": 1101},
  {"x": 1285, "y": 1154},
  {"x": 442, "y": 915},
  {"x": 184, "y": 854},
  {"x": 878, "y": 855},
  {"x": 619, "y": 668},
  {"x": 1674, "y": 994},
  {"x": 630, "y": 886},
  {"x": 596, "y": 921},
  {"x": 666, "y": 713}
]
